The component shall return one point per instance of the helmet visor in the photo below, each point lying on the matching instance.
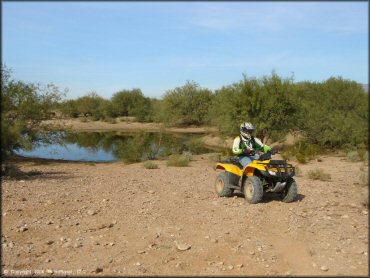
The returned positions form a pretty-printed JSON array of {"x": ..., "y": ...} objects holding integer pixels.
[{"x": 249, "y": 131}]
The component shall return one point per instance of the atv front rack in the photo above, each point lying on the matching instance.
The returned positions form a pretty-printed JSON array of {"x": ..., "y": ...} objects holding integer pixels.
[{"x": 281, "y": 168}]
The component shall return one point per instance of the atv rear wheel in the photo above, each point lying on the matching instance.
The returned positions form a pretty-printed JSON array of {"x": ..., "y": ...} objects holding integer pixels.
[
  {"x": 291, "y": 192},
  {"x": 222, "y": 185},
  {"x": 253, "y": 190}
]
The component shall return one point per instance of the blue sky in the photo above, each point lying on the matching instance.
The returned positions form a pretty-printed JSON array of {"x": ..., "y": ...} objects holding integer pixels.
[{"x": 157, "y": 46}]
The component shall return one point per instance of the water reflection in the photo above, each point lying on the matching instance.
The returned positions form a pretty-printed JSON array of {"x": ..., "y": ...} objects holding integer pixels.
[{"x": 111, "y": 146}]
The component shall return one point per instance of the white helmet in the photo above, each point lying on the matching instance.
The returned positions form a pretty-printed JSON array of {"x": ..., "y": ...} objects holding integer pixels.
[{"x": 246, "y": 130}]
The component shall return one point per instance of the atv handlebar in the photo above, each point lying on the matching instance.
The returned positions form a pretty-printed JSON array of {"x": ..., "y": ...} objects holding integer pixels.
[{"x": 265, "y": 156}]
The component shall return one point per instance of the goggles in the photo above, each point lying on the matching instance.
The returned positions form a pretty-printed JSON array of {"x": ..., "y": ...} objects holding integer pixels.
[{"x": 245, "y": 130}]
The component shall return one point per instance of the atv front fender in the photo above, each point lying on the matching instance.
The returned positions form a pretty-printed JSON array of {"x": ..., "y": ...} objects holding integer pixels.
[{"x": 255, "y": 165}]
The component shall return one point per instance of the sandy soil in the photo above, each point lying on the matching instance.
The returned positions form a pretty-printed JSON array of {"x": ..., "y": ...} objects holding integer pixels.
[{"x": 115, "y": 219}]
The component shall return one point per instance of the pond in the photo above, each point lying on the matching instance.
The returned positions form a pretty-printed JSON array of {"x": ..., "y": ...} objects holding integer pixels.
[{"x": 111, "y": 146}]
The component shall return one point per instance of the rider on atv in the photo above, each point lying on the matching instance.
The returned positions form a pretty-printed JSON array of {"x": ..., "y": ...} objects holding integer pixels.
[{"x": 245, "y": 145}]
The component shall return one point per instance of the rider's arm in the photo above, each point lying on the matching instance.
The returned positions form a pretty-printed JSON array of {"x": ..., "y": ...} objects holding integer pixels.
[
  {"x": 261, "y": 146},
  {"x": 236, "y": 149}
]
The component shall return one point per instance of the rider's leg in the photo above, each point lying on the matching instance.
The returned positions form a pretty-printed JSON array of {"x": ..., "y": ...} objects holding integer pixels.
[{"x": 245, "y": 160}]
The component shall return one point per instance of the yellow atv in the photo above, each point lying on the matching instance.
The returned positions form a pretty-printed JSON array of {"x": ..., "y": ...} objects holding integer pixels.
[{"x": 257, "y": 178}]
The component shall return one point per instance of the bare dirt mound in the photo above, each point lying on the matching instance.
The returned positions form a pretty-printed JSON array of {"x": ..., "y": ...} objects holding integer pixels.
[{"x": 116, "y": 219}]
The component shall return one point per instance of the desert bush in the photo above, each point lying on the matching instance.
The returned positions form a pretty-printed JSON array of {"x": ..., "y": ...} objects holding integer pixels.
[
  {"x": 298, "y": 171},
  {"x": 90, "y": 105},
  {"x": 364, "y": 175},
  {"x": 177, "y": 160},
  {"x": 69, "y": 108},
  {"x": 195, "y": 146},
  {"x": 214, "y": 157},
  {"x": 11, "y": 170},
  {"x": 319, "y": 174},
  {"x": 363, "y": 189},
  {"x": 150, "y": 165},
  {"x": 84, "y": 120},
  {"x": 186, "y": 105},
  {"x": 110, "y": 120},
  {"x": 333, "y": 113},
  {"x": 23, "y": 107},
  {"x": 329, "y": 114},
  {"x": 364, "y": 178},
  {"x": 353, "y": 156},
  {"x": 132, "y": 103},
  {"x": 266, "y": 102},
  {"x": 134, "y": 148},
  {"x": 363, "y": 152},
  {"x": 303, "y": 151}
]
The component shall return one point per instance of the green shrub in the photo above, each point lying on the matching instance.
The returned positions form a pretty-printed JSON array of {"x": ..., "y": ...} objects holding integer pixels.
[
  {"x": 301, "y": 158},
  {"x": 330, "y": 114},
  {"x": 319, "y": 174},
  {"x": 353, "y": 156},
  {"x": 110, "y": 120},
  {"x": 69, "y": 108},
  {"x": 95, "y": 117},
  {"x": 90, "y": 104},
  {"x": 84, "y": 119},
  {"x": 135, "y": 148},
  {"x": 196, "y": 146},
  {"x": 179, "y": 160},
  {"x": 23, "y": 107},
  {"x": 298, "y": 171},
  {"x": 150, "y": 165},
  {"x": 186, "y": 105},
  {"x": 364, "y": 178},
  {"x": 267, "y": 102},
  {"x": 214, "y": 157},
  {"x": 11, "y": 170},
  {"x": 303, "y": 151},
  {"x": 363, "y": 152},
  {"x": 132, "y": 103}
]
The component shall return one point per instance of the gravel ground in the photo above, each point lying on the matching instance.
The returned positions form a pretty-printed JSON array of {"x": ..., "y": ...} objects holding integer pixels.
[{"x": 68, "y": 218}]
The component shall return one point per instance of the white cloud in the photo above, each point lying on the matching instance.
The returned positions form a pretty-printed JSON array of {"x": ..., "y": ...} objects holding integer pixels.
[{"x": 343, "y": 18}]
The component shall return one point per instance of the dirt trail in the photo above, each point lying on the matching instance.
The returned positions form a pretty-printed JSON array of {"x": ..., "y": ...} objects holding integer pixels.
[{"x": 116, "y": 219}]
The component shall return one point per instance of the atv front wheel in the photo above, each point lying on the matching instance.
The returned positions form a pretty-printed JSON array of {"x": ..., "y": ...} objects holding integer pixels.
[
  {"x": 253, "y": 190},
  {"x": 291, "y": 192},
  {"x": 222, "y": 185}
]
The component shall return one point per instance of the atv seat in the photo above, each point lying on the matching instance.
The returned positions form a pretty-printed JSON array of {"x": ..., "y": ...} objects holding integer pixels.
[{"x": 234, "y": 161}]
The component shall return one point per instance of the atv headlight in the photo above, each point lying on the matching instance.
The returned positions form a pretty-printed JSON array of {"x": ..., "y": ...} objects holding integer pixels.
[{"x": 272, "y": 173}]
